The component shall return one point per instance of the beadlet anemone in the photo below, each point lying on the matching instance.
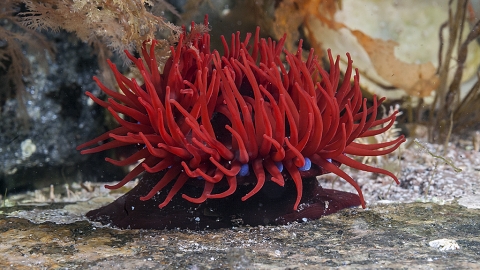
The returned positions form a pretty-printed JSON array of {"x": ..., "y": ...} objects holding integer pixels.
[{"x": 235, "y": 139}]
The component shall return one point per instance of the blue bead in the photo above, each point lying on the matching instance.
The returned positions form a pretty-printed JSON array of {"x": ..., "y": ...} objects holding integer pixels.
[
  {"x": 279, "y": 166},
  {"x": 307, "y": 166},
  {"x": 244, "y": 170}
]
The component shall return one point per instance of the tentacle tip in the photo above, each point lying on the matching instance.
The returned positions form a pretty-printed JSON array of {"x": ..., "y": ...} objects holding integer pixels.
[
  {"x": 299, "y": 197},
  {"x": 110, "y": 186},
  {"x": 148, "y": 168},
  {"x": 278, "y": 181},
  {"x": 162, "y": 205},
  {"x": 246, "y": 197},
  {"x": 113, "y": 161},
  {"x": 194, "y": 200}
]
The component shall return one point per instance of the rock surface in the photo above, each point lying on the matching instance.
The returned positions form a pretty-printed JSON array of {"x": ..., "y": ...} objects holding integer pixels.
[
  {"x": 386, "y": 235},
  {"x": 38, "y": 139}
]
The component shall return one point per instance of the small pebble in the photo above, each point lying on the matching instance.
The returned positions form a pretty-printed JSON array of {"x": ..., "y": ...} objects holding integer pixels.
[{"x": 444, "y": 244}]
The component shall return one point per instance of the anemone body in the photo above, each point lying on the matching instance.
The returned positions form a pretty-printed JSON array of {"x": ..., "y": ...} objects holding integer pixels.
[{"x": 225, "y": 127}]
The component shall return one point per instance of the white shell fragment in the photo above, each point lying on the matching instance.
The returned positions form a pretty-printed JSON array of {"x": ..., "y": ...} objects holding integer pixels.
[
  {"x": 444, "y": 244},
  {"x": 471, "y": 201},
  {"x": 28, "y": 148}
]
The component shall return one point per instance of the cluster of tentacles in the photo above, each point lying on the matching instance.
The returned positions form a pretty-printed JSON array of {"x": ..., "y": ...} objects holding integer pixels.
[{"x": 242, "y": 118}]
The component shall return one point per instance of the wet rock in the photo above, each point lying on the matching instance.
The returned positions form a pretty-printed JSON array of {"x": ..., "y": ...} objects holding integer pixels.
[
  {"x": 392, "y": 235},
  {"x": 40, "y": 128}
]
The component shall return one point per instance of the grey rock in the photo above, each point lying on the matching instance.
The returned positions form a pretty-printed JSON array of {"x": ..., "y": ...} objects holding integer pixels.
[{"x": 38, "y": 148}]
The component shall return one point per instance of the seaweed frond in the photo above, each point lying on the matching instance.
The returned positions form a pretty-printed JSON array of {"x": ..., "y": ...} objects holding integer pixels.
[
  {"x": 121, "y": 24},
  {"x": 13, "y": 64}
]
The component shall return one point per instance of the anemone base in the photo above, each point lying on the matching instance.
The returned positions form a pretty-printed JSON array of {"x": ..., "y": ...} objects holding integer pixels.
[{"x": 273, "y": 205}]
